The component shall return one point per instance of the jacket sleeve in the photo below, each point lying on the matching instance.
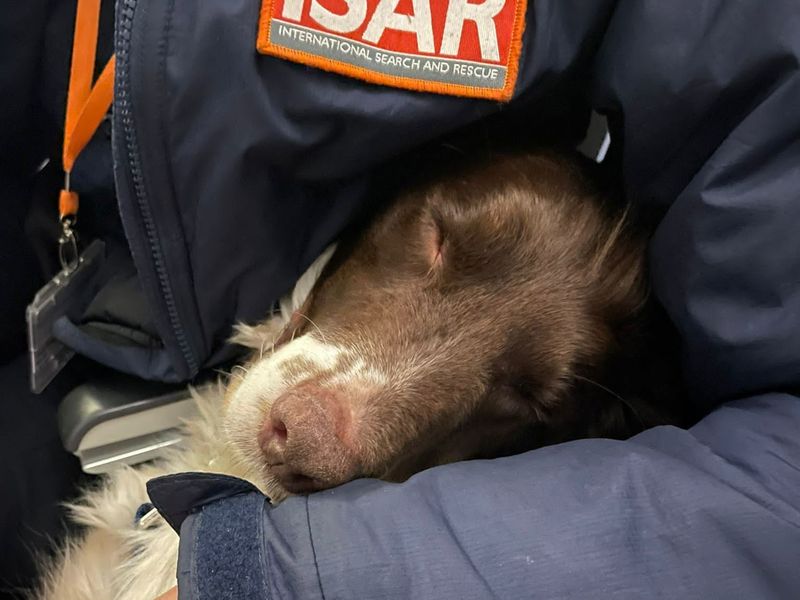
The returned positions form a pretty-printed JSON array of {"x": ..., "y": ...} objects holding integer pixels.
[
  {"x": 706, "y": 513},
  {"x": 703, "y": 101}
]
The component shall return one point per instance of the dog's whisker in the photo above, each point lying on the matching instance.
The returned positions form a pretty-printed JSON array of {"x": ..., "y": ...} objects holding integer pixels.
[
  {"x": 238, "y": 375},
  {"x": 228, "y": 374},
  {"x": 613, "y": 393},
  {"x": 272, "y": 346},
  {"x": 322, "y": 335}
]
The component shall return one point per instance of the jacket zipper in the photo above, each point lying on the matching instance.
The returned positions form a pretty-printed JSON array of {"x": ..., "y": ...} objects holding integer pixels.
[{"x": 122, "y": 103}]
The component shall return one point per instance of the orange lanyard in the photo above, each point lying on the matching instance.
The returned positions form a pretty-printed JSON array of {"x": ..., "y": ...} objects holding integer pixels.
[{"x": 87, "y": 105}]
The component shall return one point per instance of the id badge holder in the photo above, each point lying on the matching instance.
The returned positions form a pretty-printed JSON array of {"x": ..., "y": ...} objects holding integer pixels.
[{"x": 67, "y": 294}]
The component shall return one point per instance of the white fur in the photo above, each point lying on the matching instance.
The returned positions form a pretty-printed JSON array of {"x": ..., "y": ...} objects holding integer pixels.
[
  {"x": 119, "y": 560},
  {"x": 305, "y": 284},
  {"x": 262, "y": 385},
  {"x": 116, "y": 559}
]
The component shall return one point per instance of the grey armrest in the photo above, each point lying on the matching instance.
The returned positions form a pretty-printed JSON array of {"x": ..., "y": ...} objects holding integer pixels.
[{"x": 116, "y": 419}]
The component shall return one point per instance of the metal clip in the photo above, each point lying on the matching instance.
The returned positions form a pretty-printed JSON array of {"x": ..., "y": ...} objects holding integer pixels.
[
  {"x": 67, "y": 242},
  {"x": 67, "y": 246}
]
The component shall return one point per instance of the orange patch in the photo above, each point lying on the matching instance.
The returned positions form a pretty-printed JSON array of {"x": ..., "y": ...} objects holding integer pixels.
[{"x": 458, "y": 47}]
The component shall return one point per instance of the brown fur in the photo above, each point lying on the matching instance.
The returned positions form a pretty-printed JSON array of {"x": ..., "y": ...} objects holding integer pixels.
[{"x": 506, "y": 306}]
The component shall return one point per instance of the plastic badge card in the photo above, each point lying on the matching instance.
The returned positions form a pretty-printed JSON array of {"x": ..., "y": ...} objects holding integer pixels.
[{"x": 67, "y": 294}]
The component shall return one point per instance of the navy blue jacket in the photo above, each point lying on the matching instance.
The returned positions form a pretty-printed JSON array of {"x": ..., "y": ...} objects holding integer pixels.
[
  {"x": 703, "y": 99},
  {"x": 708, "y": 513}
]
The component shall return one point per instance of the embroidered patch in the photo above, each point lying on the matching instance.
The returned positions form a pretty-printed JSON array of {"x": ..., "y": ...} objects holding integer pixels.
[{"x": 459, "y": 47}]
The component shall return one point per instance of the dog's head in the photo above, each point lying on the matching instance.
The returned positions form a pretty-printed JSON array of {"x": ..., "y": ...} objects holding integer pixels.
[{"x": 476, "y": 317}]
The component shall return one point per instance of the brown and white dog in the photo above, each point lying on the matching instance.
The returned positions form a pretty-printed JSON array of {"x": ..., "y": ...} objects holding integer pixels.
[{"x": 485, "y": 313}]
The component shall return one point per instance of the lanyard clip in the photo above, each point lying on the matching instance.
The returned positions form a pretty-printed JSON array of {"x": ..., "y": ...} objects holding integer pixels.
[
  {"x": 67, "y": 245},
  {"x": 67, "y": 242}
]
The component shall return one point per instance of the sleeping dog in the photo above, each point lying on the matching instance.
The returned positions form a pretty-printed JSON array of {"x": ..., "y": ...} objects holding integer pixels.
[{"x": 484, "y": 313}]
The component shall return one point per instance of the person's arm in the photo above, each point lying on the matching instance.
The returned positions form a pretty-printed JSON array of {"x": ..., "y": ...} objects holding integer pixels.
[{"x": 712, "y": 512}]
